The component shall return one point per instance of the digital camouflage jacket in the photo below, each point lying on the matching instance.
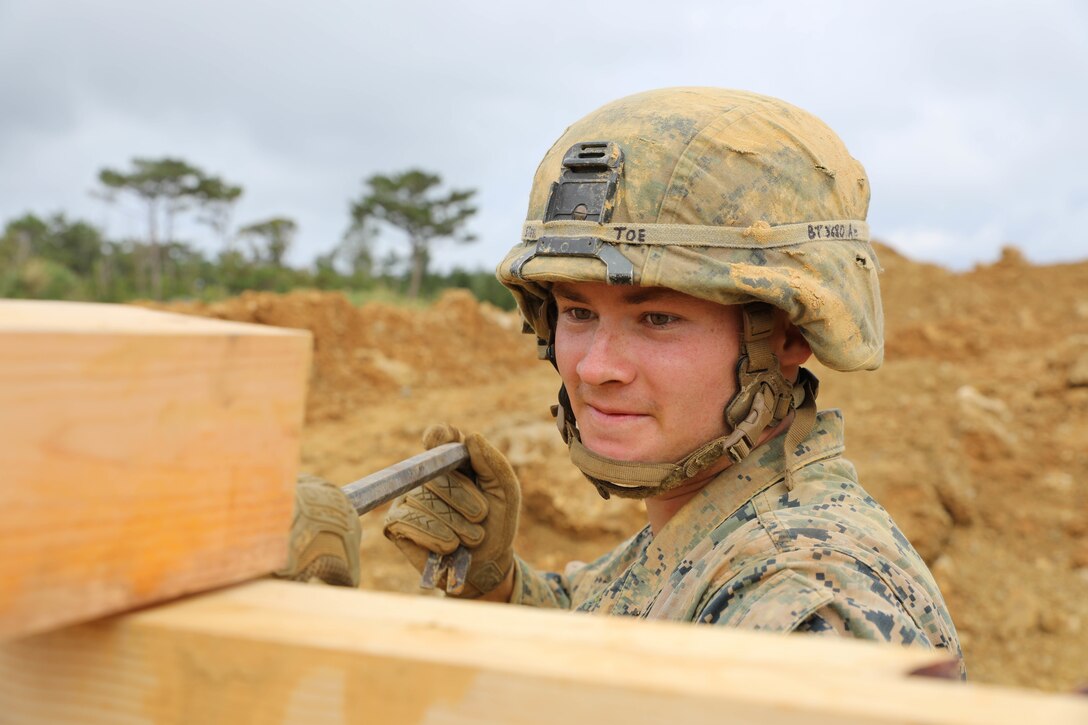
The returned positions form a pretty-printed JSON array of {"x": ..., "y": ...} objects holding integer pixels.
[{"x": 746, "y": 552}]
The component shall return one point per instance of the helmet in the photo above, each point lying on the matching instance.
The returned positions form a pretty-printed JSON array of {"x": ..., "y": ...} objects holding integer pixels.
[{"x": 728, "y": 196}]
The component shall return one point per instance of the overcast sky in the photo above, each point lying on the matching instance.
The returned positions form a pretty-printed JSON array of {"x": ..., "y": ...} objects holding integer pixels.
[{"x": 970, "y": 117}]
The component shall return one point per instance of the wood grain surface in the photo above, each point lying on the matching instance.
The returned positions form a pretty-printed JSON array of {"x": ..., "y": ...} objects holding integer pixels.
[{"x": 145, "y": 455}]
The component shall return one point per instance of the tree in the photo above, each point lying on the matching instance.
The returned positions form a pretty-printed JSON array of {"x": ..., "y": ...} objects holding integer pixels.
[
  {"x": 22, "y": 238},
  {"x": 49, "y": 257},
  {"x": 168, "y": 187},
  {"x": 356, "y": 249},
  {"x": 217, "y": 199},
  {"x": 277, "y": 235},
  {"x": 409, "y": 201}
]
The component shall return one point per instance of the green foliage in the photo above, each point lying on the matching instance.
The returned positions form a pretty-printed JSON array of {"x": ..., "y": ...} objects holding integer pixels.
[
  {"x": 48, "y": 258},
  {"x": 170, "y": 186},
  {"x": 274, "y": 237},
  {"x": 55, "y": 257},
  {"x": 356, "y": 249},
  {"x": 155, "y": 179},
  {"x": 76, "y": 245},
  {"x": 41, "y": 279},
  {"x": 409, "y": 201}
]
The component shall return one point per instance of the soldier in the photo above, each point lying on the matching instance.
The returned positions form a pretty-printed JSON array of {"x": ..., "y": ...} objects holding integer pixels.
[{"x": 686, "y": 251}]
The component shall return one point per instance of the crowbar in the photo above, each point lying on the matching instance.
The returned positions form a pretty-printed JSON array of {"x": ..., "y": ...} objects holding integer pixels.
[{"x": 372, "y": 491}]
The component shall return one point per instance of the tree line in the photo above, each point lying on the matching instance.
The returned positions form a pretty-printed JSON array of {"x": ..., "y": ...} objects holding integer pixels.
[{"x": 55, "y": 257}]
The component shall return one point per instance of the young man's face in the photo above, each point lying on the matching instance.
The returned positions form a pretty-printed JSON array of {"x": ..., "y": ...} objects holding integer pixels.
[{"x": 648, "y": 370}]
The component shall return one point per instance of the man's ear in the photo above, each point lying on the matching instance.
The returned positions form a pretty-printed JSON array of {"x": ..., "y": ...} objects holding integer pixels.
[{"x": 789, "y": 344}]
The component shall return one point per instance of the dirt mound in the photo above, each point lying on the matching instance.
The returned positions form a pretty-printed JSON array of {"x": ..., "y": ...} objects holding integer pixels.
[
  {"x": 972, "y": 435},
  {"x": 364, "y": 355}
]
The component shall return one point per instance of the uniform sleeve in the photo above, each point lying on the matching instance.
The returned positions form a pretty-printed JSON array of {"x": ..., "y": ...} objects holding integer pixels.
[
  {"x": 534, "y": 588},
  {"x": 580, "y": 584},
  {"x": 832, "y": 594}
]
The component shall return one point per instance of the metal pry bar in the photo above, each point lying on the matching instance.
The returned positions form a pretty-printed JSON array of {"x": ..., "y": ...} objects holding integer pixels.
[{"x": 372, "y": 491}]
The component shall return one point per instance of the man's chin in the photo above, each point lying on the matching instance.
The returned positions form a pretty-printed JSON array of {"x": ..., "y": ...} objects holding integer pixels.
[{"x": 618, "y": 449}]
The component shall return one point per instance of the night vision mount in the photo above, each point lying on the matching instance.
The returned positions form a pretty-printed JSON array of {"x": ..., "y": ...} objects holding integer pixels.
[{"x": 586, "y": 191}]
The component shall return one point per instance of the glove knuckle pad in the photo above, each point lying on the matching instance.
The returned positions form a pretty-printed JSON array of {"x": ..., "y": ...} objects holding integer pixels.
[{"x": 460, "y": 494}]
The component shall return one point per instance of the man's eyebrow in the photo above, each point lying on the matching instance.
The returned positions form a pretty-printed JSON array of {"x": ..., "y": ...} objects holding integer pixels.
[
  {"x": 639, "y": 295},
  {"x": 561, "y": 290}
]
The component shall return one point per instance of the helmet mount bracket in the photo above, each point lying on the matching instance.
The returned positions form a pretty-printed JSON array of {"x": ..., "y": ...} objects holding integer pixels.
[{"x": 586, "y": 191}]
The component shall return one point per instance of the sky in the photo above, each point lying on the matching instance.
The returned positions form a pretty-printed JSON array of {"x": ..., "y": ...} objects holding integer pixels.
[{"x": 971, "y": 117}]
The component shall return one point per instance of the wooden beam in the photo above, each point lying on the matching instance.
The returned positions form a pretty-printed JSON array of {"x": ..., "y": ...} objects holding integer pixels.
[
  {"x": 145, "y": 455},
  {"x": 279, "y": 652}
]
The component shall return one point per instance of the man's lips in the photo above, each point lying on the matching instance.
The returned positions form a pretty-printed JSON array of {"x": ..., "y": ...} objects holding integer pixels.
[{"x": 612, "y": 413}]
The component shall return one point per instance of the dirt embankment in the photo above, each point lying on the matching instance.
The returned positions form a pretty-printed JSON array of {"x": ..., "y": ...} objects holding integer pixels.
[{"x": 974, "y": 435}]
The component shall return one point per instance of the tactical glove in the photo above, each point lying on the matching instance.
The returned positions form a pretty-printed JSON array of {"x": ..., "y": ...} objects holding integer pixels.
[
  {"x": 325, "y": 535},
  {"x": 454, "y": 509}
]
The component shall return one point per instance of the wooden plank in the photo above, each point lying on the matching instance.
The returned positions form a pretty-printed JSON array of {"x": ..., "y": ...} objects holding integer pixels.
[
  {"x": 279, "y": 652},
  {"x": 146, "y": 455}
]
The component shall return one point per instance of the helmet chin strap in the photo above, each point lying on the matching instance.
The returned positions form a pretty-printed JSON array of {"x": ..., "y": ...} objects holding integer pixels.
[{"x": 764, "y": 399}]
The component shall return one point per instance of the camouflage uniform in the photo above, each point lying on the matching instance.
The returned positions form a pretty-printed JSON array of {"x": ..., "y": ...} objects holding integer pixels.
[
  {"x": 737, "y": 199},
  {"x": 746, "y": 552}
]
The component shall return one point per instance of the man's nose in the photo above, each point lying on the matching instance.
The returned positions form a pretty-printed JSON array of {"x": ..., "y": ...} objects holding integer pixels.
[{"x": 607, "y": 358}]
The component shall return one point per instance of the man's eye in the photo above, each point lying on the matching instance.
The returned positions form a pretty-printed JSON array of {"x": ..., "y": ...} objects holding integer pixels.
[
  {"x": 659, "y": 319},
  {"x": 579, "y": 313}
]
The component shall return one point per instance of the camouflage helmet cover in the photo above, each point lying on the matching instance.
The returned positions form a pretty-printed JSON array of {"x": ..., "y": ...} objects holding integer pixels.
[{"x": 728, "y": 196}]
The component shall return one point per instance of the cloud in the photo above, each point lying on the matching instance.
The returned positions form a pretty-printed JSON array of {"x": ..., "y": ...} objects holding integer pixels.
[{"x": 968, "y": 116}]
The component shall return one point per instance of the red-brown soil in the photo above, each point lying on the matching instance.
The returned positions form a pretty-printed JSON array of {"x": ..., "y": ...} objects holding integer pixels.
[{"x": 974, "y": 434}]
